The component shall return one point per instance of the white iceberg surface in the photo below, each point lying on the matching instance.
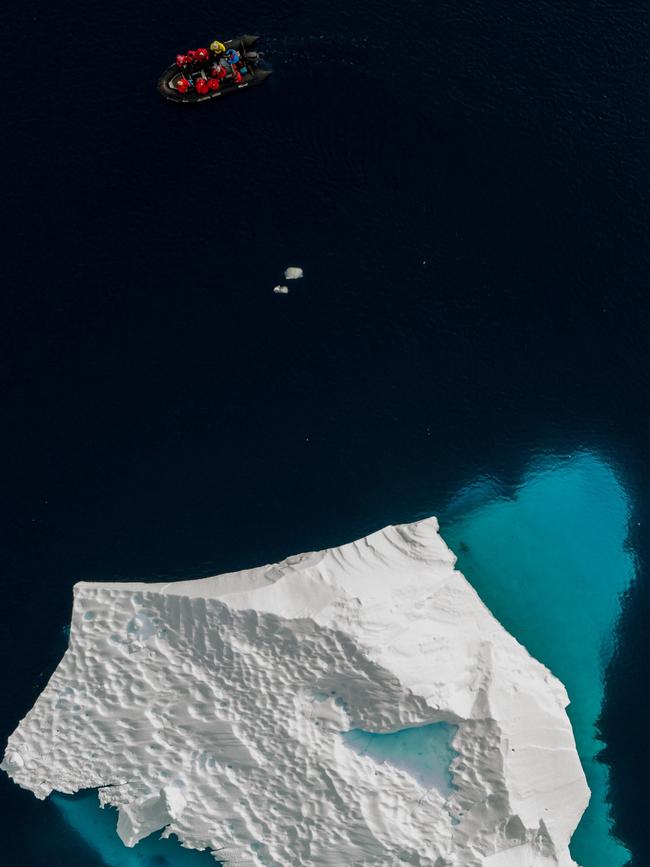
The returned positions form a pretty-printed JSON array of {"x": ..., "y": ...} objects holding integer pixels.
[
  {"x": 293, "y": 273},
  {"x": 281, "y": 290},
  {"x": 243, "y": 713}
]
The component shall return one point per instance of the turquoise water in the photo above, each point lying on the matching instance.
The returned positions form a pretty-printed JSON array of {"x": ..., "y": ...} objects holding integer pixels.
[
  {"x": 98, "y": 829},
  {"x": 550, "y": 561},
  {"x": 424, "y": 753}
]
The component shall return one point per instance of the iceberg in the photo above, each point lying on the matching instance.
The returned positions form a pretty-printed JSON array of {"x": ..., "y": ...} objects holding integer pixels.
[{"x": 354, "y": 706}]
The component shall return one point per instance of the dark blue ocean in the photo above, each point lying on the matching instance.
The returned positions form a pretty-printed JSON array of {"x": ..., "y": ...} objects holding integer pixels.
[{"x": 467, "y": 188}]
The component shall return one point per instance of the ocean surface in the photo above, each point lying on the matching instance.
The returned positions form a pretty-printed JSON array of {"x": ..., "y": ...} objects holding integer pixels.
[{"x": 467, "y": 188}]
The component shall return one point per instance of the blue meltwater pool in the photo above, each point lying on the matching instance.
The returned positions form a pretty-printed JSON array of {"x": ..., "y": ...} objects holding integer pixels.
[{"x": 423, "y": 752}]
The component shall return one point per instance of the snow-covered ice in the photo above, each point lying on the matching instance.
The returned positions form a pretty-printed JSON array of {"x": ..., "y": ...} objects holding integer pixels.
[
  {"x": 229, "y": 711},
  {"x": 281, "y": 290},
  {"x": 293, "y": 273}
]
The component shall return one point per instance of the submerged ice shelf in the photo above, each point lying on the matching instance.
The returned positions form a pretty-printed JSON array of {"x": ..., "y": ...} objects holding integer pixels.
[
  {"x": 275, "y": 715},
  {"x": 97, "y": 828},
  {"x": 551, "y": 561}
]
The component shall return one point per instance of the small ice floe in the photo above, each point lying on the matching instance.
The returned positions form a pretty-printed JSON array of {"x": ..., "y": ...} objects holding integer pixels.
[
  {"x": 293, "y": 273},
  {"x": 281, "y": 290}
]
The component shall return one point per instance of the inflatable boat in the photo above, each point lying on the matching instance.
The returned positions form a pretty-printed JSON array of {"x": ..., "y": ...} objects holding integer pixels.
[{"x": 209, "y": 73}]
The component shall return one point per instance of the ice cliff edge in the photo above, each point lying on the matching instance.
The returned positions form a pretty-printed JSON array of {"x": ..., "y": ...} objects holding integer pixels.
[{"x": 214, "y": 709}]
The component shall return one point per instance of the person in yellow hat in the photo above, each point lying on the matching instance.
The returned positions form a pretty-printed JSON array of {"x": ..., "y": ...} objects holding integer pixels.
[{"x": 217, "y": 48}]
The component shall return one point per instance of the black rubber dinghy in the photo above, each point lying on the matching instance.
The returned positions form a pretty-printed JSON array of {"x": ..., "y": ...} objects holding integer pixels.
[{"x": 256, "y": 72}]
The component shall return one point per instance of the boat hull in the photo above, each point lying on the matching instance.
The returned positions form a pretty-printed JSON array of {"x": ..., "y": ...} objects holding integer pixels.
[{"x": 257, "y": 75}]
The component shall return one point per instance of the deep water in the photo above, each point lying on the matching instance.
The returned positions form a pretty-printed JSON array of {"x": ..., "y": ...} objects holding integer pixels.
[{"x": 467, "y": 189}]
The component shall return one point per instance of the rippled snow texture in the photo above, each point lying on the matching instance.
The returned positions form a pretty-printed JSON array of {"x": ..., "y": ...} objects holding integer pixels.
[{"x": 217, "y": 709}]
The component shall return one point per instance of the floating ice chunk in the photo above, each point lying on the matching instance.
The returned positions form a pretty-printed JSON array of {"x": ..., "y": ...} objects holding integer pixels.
[
  {"x": 281, "y": 290},
  {"x": 293, "y": 273}
]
